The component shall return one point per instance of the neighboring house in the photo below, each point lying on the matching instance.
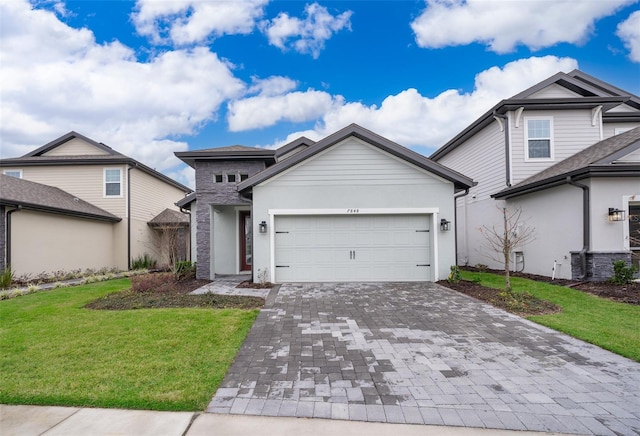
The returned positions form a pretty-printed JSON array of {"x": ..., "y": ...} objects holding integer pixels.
[
  {"x": 126, "y": 189},
  {"x": 558, "y": 151},
  {"x": 353, "y": 206}
]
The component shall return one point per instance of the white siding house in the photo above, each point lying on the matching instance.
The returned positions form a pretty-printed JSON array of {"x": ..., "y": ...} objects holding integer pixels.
[{"x": 558, "y": 151}]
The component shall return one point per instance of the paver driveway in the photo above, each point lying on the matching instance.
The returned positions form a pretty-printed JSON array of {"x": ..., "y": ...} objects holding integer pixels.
[{"x": 421, "y": 353}]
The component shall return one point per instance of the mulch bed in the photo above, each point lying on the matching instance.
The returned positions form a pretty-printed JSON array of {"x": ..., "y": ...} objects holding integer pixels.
[
  {"x": 176, "y": 296},
  {"x": 629, "y": 293}
]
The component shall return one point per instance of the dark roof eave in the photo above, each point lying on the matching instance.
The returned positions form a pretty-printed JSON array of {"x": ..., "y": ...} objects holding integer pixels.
[
  {"x": 49, "y": 161},
  {"x": 190, "y": 157},
  {"x": 505, "y": 106},
  {"x": 579, "y": 174},
  {"x": 58, "y": 211}
]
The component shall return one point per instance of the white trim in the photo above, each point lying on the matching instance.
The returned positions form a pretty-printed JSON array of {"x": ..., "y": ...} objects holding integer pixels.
[
  {"x": 510, "y": 139},
  {"x": 626, "y": 199},
  {"x": 357, "y": 211},
  {"x": 239, "y": 209},
  {"x": 526, "y": 140},
  {"x": 432, "y": 211},
  {"x": 104, "y": 182},
  {"x": 518, "y": 115},
  {"x": 595, "y": 112},
  {"x": 13, "y": 171}
]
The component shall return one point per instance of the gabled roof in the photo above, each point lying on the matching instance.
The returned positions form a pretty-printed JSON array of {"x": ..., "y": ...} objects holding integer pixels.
[
  {"x": 300, "y": 143},
  {"x": 185, "y": 203},
  {"x": 233, "y": 152},
  {"x": 38, "y": 157},
  {"x": 593, "y": 93},
  {"x": 461, "y": 182},
  {"x": 599, "y": 160},
  {"x": 169, "y": 218},
  {"x": 36, "y": 196}
]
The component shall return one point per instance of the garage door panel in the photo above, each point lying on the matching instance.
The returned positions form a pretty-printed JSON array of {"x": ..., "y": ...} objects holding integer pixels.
[{"x": 352, "y": 248}]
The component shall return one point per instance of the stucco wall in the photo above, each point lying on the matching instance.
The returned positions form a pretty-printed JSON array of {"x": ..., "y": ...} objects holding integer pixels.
[
  {"x": 323, "y": 189},
  {"x": 43, "y": 242}
]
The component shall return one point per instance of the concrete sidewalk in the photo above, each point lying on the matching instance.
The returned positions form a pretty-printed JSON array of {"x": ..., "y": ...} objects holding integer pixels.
[{"x": 72, "y": 421}]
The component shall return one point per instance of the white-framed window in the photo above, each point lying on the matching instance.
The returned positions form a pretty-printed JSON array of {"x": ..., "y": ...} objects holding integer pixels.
[
  {"x": 113, "y": 182},
  {"x": 13, "y": 173},
  {"x": 217, "y": 178},
  {"x": 539, "y": 138}
]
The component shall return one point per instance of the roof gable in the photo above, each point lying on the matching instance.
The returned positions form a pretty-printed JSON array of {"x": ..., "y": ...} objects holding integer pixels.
[
  {"x": 53, "y": 148},
  {"x": 461, "y": 182}
]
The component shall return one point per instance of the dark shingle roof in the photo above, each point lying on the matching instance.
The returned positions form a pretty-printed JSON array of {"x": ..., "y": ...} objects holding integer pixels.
[
  {"x": 599, "y": 158},
  {"x": 169, "y": 217},
  {"x": 36, "y": 196}
]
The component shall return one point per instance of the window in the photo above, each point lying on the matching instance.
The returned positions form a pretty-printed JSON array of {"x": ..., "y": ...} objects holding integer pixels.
[
  {"x": 112, "y": 182},
  {"x": 13, "y": 173},
  {"x": 231, "y": 178},
  {"x": 217, "y": 178},
  {"x": 539, "y": 138},
  {"x": 244, "y": 177}
]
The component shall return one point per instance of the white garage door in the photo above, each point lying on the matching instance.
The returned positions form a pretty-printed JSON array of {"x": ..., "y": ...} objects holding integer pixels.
[{"x": 352, "y": 248}]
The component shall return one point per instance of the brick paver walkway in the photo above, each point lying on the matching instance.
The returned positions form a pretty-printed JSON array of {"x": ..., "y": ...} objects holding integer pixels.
[{"x": 420, "y": 353}]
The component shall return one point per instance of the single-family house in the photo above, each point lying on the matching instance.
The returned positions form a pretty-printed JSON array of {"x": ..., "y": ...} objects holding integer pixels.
[
  {"x": 130, "y": 197},
  {"x": 353, "y": 206},
  {"x": 566, "y": 152}
]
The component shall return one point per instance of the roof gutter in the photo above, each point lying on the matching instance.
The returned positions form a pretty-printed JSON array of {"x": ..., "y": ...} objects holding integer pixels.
[
  {"x": 586, "y": 224},
  {"x": 507, "y": 145}
]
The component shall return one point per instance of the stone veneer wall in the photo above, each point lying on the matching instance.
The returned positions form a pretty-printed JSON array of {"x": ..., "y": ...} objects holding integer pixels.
[
  {"x": 599, "y": 265},
  {"x": 210, "y": 193}
]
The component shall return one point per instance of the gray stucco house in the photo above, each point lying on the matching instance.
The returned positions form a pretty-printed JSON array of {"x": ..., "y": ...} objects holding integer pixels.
[{"x": 353, "y": 206}]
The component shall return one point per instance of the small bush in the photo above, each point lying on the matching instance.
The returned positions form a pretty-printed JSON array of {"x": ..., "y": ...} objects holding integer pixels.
[
  {"x": 185, "y": 270},
  {"x": 454, "y": 275},
  {"x": 6, "y": 278},
  {"x": 143, "y": 262},
  {"x": 482, "y": 267},
  {"x": 158, "y": 282},
  {"x": 622, "y": 273}
]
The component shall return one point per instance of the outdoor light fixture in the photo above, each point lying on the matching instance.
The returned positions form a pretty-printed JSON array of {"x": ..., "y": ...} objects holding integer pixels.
[
  {"x": 616, "y": 214},
  {"x": 263, "y": 227},
  {"x": 445, "y": 225}
]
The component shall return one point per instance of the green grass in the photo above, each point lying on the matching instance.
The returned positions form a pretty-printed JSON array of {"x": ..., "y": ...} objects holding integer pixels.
[
  {"x": 605, "y": 323},
  {"x": 55, "y": 352}
]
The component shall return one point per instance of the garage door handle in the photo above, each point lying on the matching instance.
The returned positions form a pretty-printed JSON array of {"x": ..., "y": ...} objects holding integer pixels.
[
  {"x": 282, "y": 266},
  {"x": 352, "y": 254},
  {"x": 423, "y": 264}
]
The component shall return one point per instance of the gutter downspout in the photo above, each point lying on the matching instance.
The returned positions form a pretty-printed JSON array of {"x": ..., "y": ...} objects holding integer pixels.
[
  {"x": 129, "y": 168},
  {"x": 507, "y": 148},
  {"x": 8, "y": 230},
  {"x": 586, "y": 224}
]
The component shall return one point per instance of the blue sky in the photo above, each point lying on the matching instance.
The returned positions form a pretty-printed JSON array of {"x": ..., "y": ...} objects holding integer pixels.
[{"x": 153, "y": 77}]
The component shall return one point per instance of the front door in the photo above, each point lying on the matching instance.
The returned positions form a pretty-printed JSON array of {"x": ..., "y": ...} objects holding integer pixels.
[{"x": 246, "y": 252}]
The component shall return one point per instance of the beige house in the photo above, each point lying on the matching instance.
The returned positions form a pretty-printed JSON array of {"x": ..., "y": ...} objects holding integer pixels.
[{"x": 37, "y": 238}]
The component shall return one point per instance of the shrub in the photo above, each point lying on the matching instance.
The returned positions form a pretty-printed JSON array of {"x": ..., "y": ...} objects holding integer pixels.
[
  {"x": 454, "y": 275},
  {"x": 143, "y": 262},
  {"x": 6, "y": 278},
  {"x": 184, "y": 269},
  {"x": 158, "y": 282},
  {"x": 622, "y": 273}
]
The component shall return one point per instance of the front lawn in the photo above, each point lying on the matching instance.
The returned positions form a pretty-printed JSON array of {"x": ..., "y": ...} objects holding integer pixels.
[
  {"x": 56, "y": 352},
  {"x": 608, "y": 324}
]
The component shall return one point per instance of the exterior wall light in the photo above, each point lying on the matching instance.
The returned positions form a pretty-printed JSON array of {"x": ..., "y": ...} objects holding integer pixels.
[
  {"x": 445, "y": 225},
  {"x": 263, "y": 227},
  {"x": 616, "y": 214}
]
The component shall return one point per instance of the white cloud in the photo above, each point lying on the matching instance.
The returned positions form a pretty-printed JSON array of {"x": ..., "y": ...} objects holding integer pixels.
[
  {"x": 274, "y": 85},
  {"x": 425, "y": 123},
  {"x": 267, "y": 110},
  {"x": 54, "y": 78},
  {"x": 502, "y": 25},
  {"x": 306, "y": 35},
  {"x": 629, "y": 32},
  {"x": 191, "y": 21}
]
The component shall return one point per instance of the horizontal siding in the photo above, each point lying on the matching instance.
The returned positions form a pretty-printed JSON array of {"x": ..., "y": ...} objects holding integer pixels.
[
  {"x": 609, "y": 129},
  {"x": 572, "y": 132},
  {"x": 353, "y": 163},
  {"x": 150, "y": 196},
  {"x": 76, "y": 147},
  {"x": 481, "y": 158},
  {"x": 555, "y": 91},
  {"x": 82, "y": 181}
]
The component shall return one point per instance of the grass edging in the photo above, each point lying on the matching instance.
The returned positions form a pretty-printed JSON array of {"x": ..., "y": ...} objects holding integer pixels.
[
  {"x": 608, "y": 324},
  {"x": 56, "y": 352}
]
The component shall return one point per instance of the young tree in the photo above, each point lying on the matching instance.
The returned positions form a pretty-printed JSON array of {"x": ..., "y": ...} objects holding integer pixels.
[{"x": 514, "y": 233}]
